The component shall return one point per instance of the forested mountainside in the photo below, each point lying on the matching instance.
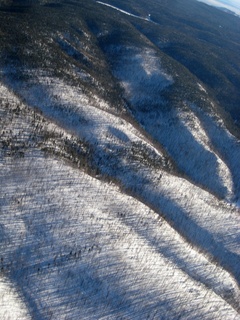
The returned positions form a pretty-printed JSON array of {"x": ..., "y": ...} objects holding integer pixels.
[{"x": 119, "y": 160}]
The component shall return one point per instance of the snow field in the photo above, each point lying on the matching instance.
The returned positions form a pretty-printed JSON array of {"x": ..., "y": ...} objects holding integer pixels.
[
  {"x": 89, "y": 248},
  {"x": 97, "y": 250},
  {"x": 88, "y": 119},
  {"x": 109, "y": 134},
  {"x": 107, "y": 131}
]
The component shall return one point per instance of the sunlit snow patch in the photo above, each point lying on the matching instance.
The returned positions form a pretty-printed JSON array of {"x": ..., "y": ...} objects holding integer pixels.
[
  {"x": 11, "y": 305},
  {"x": 202, "y": 88},
  {"x": 141, "y": 75}
]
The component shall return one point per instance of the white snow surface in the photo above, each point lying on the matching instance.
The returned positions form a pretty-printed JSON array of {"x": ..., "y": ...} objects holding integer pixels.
[
  {"x": 141, "y": 74},
  {"x": 74, "y": 245},
  {"x": 87, "y": 249},
  {"x": 11, "y": 305}
]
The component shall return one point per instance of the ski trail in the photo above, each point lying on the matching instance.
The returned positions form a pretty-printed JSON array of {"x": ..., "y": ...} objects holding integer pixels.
[{"x": 125, "y": 12}]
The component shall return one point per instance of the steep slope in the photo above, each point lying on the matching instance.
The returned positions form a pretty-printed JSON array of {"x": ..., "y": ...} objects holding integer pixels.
[
  {"x": 119, "y": 170},
  {"x": 84, "y": 247}
]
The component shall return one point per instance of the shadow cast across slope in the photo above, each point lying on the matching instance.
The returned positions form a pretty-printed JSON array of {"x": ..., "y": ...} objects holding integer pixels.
[
  {"x": 227, "y": 146},
  {"x": 143, "y": 79}
]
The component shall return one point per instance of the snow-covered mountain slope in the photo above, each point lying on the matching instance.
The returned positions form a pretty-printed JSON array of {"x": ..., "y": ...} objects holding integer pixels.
[
  {"x": 102, "y": 252},
  {"x": 86, "y": 247},
  {"x": 180, "y": 130},
  {"x": 119, "y": 170}
]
